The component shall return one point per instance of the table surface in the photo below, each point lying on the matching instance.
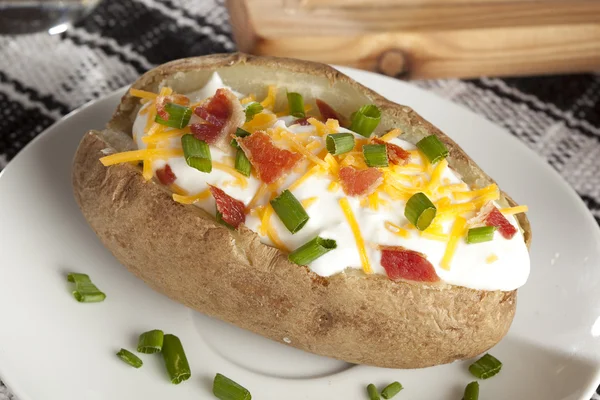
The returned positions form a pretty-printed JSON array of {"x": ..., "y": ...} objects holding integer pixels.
[{"x": 43, "y": 77}]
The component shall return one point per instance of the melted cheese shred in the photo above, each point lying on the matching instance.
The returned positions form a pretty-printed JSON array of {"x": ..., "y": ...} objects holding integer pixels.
[{"x": 360, "y": 242}]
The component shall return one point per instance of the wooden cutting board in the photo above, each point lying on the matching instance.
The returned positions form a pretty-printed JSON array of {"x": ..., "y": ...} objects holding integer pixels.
[{"x": 426, "y": 38}]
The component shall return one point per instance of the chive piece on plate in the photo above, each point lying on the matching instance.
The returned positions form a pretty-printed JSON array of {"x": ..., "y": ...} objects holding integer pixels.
[
  {"x": 130, "y": 358},
  {"x": 372, "y": 392},
  {"x": 196, "y": 153},
  {"x": 179, "y": 116},
  {"x": 391, "y": 390},
  {"x": 76, "y": 277},
  {"x": 290, "y": 211},
  {"x": 150, "y": 342},
  {"x": 472, "y": 391},
  {"x": 433, "y": 148},
  {"x": 296, "y": 104},
  {"x": 365, "y": 120},
  {"x": 339, "y": 143},
  {"x": 85, "y": 291},
  {"x": 480, "y": 234},
  {"x": 226, "y": 389},
  {"x": 420, "y": 211},
  {"x": 486, "y": 367},
  {"x": 175, "y": 360},
  {"x": 312, "y": 250},
  {"x": 375, "y": 155}
]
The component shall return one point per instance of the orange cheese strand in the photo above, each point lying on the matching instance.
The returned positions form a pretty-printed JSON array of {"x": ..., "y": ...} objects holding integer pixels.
[
  {"x": 455, "y": 187},
  {"x": 249, "y": 99},
  {"x": 269, "y": 101},
  {"x": 260, "y": 193},
  {"x": 151, "y": 116},
  {"x": 373, "y": 200},
  {"x": 436, "y": 175},
  {"x": 293, "y": 143},
  {"x": 360, "y": 243},
  {"x": 270, "y": 231},
  {"x": 334, "y": 167},
  {"x": 158, "y": 137},
  {"x": 313, "y": 146},
  {"x": 475, "y": 193},
  {"x": 491, "y": 258},
  {"x": 142, "y": 94},
  {"x": 514, "y": 210},
  {"x": 396, "y": 230},
  {"x": 394, "y": 133},
  {"x": 308, "y": 202},
  {"x": 260, "y": 121},
  {"x": 457, "y": 233},
  {"x": 314, "y": 170},
  {"x": 333, "y": 186},
  {"x": 191, "y": 199},
  {"x": 241, "y": 179},
  {"x": 139, "y": 155},
  {"x": 147, "y": 172}
]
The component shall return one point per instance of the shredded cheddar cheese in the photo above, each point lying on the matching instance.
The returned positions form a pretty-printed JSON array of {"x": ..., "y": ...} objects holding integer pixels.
[
  {"x": 248, "y": 99},
  {"x": 449, "y": 188},
  {"x": 191, "y": 199},
  {"x": 436, "y": 175},
  {"x": 313, "y": 146},
  {"x": 458, "y": 231},
  {"x": 294, "y": 143},
  {"x": 139, "y": 155},
  {"x": 309, "y": 201},
  {"x": 491, "y": 258},
  {"x": 395, "y": 229},
  {"x": 260, "y": 193},
  {"x": 314, "y": 170},
  {"x": 469, "y": 195},
  {"x": 159, "y": 137},
  {"x": 269, "y": 101},
  {"x": 333, "y": 186},
  {"x": 178, "y": 189},
  {"x": 373, "y": 200},
  {"x": 514, "y": 210},
  {"x": 360, "y": 243},
  {"x": 260, "y": 121},
  {"x": 334, "y": 167},
  {"x": 142, "y": 94},
  {"x": 243, "y": 181},
  {"x": 267, "y": 228},
  {"x": 394, "y": 133}
]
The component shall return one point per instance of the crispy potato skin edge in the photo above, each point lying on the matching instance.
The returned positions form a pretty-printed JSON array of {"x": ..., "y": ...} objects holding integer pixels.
[{"x": 183, "y": 253}]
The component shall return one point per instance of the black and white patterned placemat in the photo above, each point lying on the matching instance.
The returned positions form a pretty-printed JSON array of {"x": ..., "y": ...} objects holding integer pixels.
[{"x": 44, "y": 77}]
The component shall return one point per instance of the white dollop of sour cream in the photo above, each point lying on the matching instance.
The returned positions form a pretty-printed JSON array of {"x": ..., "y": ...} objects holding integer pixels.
[{"x": 471, "y": 266}]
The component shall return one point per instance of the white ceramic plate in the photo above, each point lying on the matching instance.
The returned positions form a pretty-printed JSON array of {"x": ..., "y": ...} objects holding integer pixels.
[{"x": 53, "y": 348}]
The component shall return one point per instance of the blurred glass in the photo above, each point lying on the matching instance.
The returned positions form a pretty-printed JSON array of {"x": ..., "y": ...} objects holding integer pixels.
[{"x": 54, "y": 16}]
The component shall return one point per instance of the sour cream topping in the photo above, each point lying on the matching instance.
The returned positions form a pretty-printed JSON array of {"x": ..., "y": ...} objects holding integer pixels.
[{"x": 471, "y": 265}]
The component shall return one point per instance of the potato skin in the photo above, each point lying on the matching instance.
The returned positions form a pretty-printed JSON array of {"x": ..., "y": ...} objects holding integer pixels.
[{"x": 182, "y": 252}]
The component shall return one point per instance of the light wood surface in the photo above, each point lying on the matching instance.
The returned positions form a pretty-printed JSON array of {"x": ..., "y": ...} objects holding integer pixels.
[
  {"x": 455, "y": 53},
  {"x": 376, "y": 3},
  {"x": 274, "y": 18}
]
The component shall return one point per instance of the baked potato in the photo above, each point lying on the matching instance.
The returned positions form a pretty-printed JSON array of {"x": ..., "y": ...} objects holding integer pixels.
[{"x": 235, "y": 272}]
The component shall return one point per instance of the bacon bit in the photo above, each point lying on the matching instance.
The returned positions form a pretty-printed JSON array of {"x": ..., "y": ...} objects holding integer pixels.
[
  {"x": 161, "y": 102},
  {"x": 232, "y": 210},
  {"x": 223, "y": 113},
  {"x": 489, "y": 215},
  {"x": 495, "y": 218},
  {"x": 360, "y": 182},
  {"x": 165, "y": 175},
  {"x": 302, "y": 121},
  {"x": 327, "y": 112},
  {"x": 269, "y": 161},
  {"x": 400, "y": 263},
  {"x": 396, "y": 154}
]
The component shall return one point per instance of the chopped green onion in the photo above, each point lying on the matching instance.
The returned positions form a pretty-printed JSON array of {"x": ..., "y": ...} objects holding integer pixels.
[
  {"x": 486, "y": 367},
  {"x": 296, "y": 104},
  {"x": 150, "y": 342},
  {"x": 76, "y": 277},
  {"x": 420, "y": 211},
  {"x": 375, "y": 155},
  {"x": 175, "y": 359},
  {"x": 373, "y": 393},
  {"x": 472, "y": 391},
  {"x": 226, "y": 389},
  {"x": 252, "y": 109},
  {"x": 130, "y": 358},
  {"x": 312, "y": 250},
  {"x": 365, "y": 120},
  {"x": 433, "y": 148},
  {"x": 481, "y": 234},
  {"x": 239, "y": 132},
  {"x": 242, "y": 164},
  {"x": 87, "y": 292},
  {"x": 290, "y": 211},
  {"x": 196, "y": 153},
  {"x": 179, "y": 116},
  {"x": 339, "y": 143},
  {"x": 220, "y": 220},
  {"x": 391, "y": 390}
]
